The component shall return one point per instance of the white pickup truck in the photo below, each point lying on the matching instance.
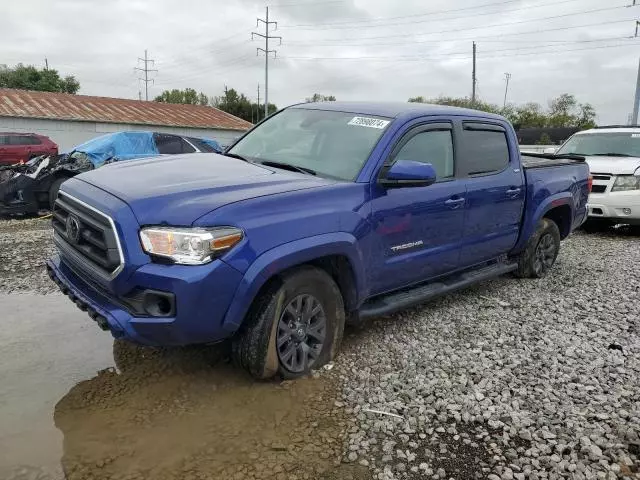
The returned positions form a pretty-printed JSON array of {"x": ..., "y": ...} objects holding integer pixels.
[{"x": 613, "y": 156}]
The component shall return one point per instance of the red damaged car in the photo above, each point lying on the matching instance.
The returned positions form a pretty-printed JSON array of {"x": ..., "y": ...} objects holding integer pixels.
[{"x": 21, "y": 147}]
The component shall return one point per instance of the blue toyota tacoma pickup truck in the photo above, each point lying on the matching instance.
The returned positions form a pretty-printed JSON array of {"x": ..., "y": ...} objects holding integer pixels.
[{"x": 322, "y": 214}]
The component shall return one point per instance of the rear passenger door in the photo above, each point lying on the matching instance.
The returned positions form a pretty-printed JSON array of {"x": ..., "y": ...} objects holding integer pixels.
[{"x": 495, "y": 190}]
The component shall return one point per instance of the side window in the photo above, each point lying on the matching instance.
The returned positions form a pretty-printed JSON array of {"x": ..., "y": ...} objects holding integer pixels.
[
  {"x": 431, "y": 146},
  {"x": 172, "y": 144},
  {"x": 484, "y": 151},
  {"x": 31, "y": 140},
  {"x": 4, "y": 140},
  {"x": 18, "y": 140},
  {"x": 186, "y": 147}
]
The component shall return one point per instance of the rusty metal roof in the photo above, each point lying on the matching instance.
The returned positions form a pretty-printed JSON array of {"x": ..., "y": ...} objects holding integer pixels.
[{"x": 65, "y": 106}]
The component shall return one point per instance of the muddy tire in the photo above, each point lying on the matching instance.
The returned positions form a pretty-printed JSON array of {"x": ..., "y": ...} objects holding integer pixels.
[
  {"x": 541, "y": 251},
  {"x": 53, "y": 191},
  {"x": 294, "y": 326}
]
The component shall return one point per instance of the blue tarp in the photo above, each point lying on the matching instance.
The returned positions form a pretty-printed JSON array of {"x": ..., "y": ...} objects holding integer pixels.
[
  {"x": 213, "y": 144},
  {"x": 118, "y": 146}
]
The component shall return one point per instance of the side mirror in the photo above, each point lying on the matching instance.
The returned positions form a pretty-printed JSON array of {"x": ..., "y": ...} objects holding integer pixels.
[
  {"x": 407, "y": 173},
  {"x": 550, "y": 150}
]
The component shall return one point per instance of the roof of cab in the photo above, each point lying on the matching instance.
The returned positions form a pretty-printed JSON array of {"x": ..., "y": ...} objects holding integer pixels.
[{"x": 395, "y": 109}]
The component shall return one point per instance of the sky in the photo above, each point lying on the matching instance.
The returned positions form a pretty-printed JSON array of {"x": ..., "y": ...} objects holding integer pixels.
[{"x": 383, "y": 50}]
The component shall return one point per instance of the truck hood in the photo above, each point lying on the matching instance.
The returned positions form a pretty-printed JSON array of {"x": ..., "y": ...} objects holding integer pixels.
[
  {"x": 613, "y": 165},
  {"x": 179, "y": 189}
]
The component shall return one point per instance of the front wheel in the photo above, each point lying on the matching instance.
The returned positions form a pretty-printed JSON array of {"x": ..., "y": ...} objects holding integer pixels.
[
  {"x": 293, "y": 327},
  {"x": 541, "y": 251}
]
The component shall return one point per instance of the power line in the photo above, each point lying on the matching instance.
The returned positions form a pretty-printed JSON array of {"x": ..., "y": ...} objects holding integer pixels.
[
  {"x": 306, "y": 4},
  {"x": 448, "y": 54},
  {"x": 342, "y": 25},
  {"x": 146, "y": 71},
  {"x": 266, "y": 51},
  {"x": 404, "y": 35},
  {"x": 465, "y": 54},
  {"x": 440, "y": 40}
]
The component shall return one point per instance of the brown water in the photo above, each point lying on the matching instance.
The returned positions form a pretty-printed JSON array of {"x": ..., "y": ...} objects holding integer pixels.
[{"x": 75, "y": 403}]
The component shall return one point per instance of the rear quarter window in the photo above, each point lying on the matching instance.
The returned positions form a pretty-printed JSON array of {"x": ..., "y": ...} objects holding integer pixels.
[{"x": 484, "y": 151}]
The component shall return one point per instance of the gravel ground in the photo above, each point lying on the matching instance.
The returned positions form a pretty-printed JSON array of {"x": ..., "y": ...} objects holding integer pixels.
[
  {"x": 25, "y": 244},
  {"x": 511, "y": 379}
]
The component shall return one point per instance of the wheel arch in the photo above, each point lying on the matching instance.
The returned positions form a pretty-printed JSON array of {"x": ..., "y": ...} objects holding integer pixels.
[
  {"x": 335, "y": 253},
  {"x": 555, "y": 208}
]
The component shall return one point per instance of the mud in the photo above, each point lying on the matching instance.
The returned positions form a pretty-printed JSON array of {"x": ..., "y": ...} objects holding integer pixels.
[{"x": 78, "y": 405}]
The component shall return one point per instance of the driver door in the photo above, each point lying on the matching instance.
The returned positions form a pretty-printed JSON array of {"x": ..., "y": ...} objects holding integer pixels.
[{"x": 419, "y": 229}]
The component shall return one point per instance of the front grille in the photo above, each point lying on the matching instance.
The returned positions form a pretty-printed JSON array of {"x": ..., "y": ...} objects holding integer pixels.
[
  {"x": 605, "y": 177},
  {"x": 598, "y": 188},
  {"x": 88, "y": 232}
]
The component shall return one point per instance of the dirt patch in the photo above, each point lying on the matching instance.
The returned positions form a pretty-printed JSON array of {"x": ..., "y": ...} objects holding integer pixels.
[
  {"x": 168, "y": 414},
  {"x": 25, "y": 245}
]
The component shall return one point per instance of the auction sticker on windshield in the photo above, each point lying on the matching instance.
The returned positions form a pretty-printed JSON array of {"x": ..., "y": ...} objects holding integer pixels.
[{"x": 368, "y": 122}]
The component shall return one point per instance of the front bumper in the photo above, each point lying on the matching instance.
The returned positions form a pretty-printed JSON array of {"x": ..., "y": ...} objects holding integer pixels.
[
  {"x": 202, "y": 295},
  {"x": 622, "y": 207}
]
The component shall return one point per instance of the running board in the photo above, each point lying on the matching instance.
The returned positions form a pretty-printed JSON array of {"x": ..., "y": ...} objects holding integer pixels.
[{"x": 384, "y": 305}]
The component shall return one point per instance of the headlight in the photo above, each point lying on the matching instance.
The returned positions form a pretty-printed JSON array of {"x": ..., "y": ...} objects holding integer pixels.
[
  {"x": 626, "y": 182},
  {"x": 189, "y": 246}
]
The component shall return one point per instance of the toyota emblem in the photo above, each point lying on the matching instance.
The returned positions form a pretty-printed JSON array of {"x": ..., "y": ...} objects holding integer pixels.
[{"x": 73, "y": 229}]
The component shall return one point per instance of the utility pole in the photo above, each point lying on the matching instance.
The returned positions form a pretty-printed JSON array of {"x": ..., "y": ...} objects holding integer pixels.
[
  {"x": 266, "y": 51},
  {"x": 146, "y": 71},
  {"x": 258, "y": 104},
  {"x": 473, "y": 77},
  {"x": 636, "y": 99},
  {"x": 46, "y": 63},
  {"x": 507, "y": 77}
]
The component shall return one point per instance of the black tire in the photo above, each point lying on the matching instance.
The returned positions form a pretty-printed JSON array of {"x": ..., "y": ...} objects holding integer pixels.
[
  {"x": 541, "y": 251},
  {"x": 255, "y": 347},
  {"x": 595, "y": 225},
  {"x": 53, "y": 191}
]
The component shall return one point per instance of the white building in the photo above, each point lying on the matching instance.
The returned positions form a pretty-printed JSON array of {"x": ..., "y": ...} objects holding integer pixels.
[{"x": 69, "y": 120}]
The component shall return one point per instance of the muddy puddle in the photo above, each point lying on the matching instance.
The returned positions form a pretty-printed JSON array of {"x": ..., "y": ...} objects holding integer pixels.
[{"x": 127, "y": 412}]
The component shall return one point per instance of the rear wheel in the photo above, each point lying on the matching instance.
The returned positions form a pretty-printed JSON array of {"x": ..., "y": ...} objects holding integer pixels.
[
  {"x": 53, "y": 191},
  {"x": 541, "y": 251},
  {"x": 295, "y": 326}
]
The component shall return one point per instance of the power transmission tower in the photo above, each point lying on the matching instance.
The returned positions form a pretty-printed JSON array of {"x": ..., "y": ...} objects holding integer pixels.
[
  {"x": 146, "y": 71},
  {"x": 473, "y": 77},
  {"x": 507, "y": 77},
  {"x": 266, "y": 51}
]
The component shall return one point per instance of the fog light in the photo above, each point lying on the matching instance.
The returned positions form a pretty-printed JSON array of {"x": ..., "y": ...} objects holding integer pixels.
[{"x": 626, "y": 211}]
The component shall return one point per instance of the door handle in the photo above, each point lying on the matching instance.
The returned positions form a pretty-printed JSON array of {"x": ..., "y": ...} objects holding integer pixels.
[
  {"x": 513, "y": 191},
  {"x": 454, "y": 202}
]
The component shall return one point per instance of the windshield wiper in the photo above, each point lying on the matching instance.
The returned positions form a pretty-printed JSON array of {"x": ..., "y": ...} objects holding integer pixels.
[
  {"x": 235, "y": 155},
  {"x": 610, "y": 155},
  {"x": 288, "y": 166}
]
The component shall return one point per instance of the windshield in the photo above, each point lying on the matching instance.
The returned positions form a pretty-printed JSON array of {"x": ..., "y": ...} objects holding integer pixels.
[
  {"x": 331, "y": 144},
  {"x": 621, "y": 144}
]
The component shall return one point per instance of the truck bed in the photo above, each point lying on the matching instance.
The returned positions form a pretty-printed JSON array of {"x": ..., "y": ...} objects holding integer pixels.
[{"x": 543, "y": 160}]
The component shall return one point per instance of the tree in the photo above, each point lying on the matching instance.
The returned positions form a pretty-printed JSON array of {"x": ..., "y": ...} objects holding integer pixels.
[
  {"x": 564, "y": 111},
  {"x": 320, "y": 98},
  {"x": 530, "y": 115},
  {"x": 545, "y": 139},
  {"x": 187, "y": 96},
  {"x": 28, "y": 77},
  {"x": 463, "y": 102},
  {"x": 239, "y": 105}
]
